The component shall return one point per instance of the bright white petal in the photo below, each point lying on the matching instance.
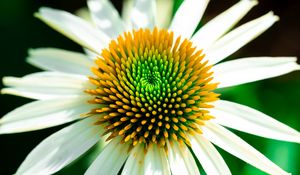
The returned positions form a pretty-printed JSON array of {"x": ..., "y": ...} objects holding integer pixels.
[
  {"x": 239, "y": 148},
  {"x": 75, "y": 28},
  {"x": 43, "y": 114},
  {"x": 211, "y": 160},
  {"x": 245, "y": 70},
  {"x": 110, "y": 159},
  {"x": 188, "y": 17},
  {"x": 181, "y": 160},
  {"x": 91, "y": 55},
  {"x": 106, "y": 17},
  {"x": 249, "y": 120},
  {"x": 156, "y": 162},
  {"x": 60, "y": 60},
  {"x": 135, "y": 162},
  {"x": 218, "y": 26},
  {"x": 164, "y": 12},
  {"x": 46, "y": 85},
  {"x": 239, "y": 37},
  {"x": 126, "y": 11},
  {"x": 61, "y": 148},
  {"x": 143, "y": 14}
]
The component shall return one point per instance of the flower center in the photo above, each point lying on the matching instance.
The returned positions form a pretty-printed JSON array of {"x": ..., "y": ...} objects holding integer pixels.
[{"x": 151, "y": 89}]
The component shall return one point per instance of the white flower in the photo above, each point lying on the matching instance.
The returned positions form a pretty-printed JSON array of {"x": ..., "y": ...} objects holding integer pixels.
[{"x": 159, "y": 141}]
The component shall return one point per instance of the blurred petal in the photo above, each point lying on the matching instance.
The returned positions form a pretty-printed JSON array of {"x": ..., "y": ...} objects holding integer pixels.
[
  {"x": 239, "y": 37},
  {"x": 126, "y": 11},
  {"x": 61, "y": 148},
  {"x": 164, "y": 13},
  {"x": 106, "y": 17},
  {"x": 156, "y": 162},
  {"x": 245, "y": 70},
  {"x": 91, "y": 55},
  {"x": 234, "y": 145},
  {"x": 143, "y": 14},
  {"x": 181, "y": 160},
  {"x": 60, "y": 60},
  {"x": 43, "y": 114},
  {"x": 210, "y": 159},
  {"x": 219, "y": 25},
  {"x": 188, "y": 17},
  {"x": 75, "y": 28},
  {"x": 135, "y": 163},
  {"x": 249, "y": 120},
  {"x": 110, "y": 160},
  {"x": 46, "y": 85}
]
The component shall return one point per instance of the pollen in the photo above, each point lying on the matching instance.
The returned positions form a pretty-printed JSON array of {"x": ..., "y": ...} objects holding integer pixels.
[{"x": 152, "y": 88}]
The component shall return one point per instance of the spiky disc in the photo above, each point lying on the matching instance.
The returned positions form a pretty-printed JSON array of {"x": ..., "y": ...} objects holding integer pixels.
[{"x": 151, "y": 88}]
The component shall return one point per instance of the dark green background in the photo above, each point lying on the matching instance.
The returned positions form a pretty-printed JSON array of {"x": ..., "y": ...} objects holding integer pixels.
[{"x": 278, "y": 97}]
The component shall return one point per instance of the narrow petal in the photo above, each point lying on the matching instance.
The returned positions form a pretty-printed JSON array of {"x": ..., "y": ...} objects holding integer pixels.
[
  {"x": 239, "y": 148},
  {"x": 110, "y": 160},
  {"x": 181, "y": 160},
  {"x": 106, "y": 17},
  {"x": 135, "y": 162},
  {"x": 239, "y": 37},
  {"x": 46, "y": 85},
  {"x": 74, "y": 27},
  {"x": 156, "y": 162},
  {"x": 188, "y": 17},
  {"x": 53, "y": 59},
  {"x": 43, "y": 114},
  {"x": 249, "y": 120},
  {"x": 143, "y": 14},
  {"x": 90, "y": 54},
  {"x": 61, "y": 148},
  {"x": 245, "y": 70},
  {"x": 209, "y": 157},
  {"x": 164, "y": 13},
  {"x": 126, "y": 12},
  {"x": 218, "y": 26}
]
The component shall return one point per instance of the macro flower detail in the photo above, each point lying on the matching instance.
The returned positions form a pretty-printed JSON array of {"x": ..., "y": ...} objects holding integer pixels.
[
  {"x": 145, "y": 91},
  {"x": 149, "y": 89}
]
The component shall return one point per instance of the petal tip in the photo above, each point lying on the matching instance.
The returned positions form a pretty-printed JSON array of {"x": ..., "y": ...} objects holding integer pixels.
[
  {"x": 252, "y": 2},
  {"x": 272, "y": 16}
]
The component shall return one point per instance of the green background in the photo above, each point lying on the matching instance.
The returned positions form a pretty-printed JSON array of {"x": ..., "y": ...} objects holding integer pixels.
[{"x": 277, "y": 97}]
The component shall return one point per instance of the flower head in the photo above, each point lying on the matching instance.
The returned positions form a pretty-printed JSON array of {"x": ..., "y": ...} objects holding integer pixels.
[
  {"x": 150, "y": 88},
  {"x": 150, "y": 93}
]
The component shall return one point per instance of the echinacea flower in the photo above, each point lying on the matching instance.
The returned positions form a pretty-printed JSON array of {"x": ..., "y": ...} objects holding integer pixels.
[{"x": 149, "y": 96}]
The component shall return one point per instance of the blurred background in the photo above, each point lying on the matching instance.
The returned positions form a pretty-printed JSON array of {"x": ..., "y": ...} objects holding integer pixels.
[{"x": 277, "y": 97}]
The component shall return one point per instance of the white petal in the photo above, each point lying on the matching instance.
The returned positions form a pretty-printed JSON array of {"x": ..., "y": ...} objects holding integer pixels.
[
  {"x": 46, "y": 85},
  {"x": 106, "y": 17},
  {"x": 156, "y": 162},
  {"x": 126, "y": 12},
  {"x": 188, "y": 17},
  {"x": 91, "y": 55},
  {"x": 181, "y": 160},
  {"x": 218, "y": 26},
  {"x": 43, "y": 114},
  {"x": 245, "y": 70},
  {"x": 135, "y": 162},
  {"x": 211, "y": 160},
  {"x": 60, "y": 60},
  {"x": 164, "y": 13},
  {"x": 249, "y": 120},
  {"x": 239, "y": 37},
  {"x": 61, "y": 148},
  {"x": 143, "y": 14},
  {"x": 239, "y": 148},
  {"x": 75, "y": 28},
  {"x": 110, "y": 159}
]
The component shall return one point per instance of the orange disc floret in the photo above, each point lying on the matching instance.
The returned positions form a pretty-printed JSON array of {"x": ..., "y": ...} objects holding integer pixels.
[{"x": 152, "y": 88}]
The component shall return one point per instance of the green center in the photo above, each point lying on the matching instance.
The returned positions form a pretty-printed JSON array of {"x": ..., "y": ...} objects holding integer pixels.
[{"x": 152, "y": 89}]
